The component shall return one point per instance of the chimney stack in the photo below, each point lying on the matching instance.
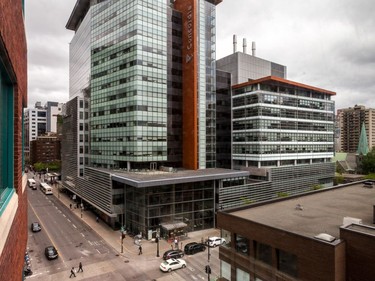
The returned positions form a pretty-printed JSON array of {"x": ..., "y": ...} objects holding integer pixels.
[
  {"x": 234, "y": 43},
  {"x": 253, "y": 48},
  {"x": 244, "y": 46}
]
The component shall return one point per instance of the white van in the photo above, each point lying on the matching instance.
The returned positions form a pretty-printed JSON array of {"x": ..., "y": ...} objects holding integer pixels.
[{"x": 31, "y": 183}]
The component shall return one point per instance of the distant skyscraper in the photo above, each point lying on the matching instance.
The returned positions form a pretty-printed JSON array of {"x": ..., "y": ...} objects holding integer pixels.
[
  {"x": 13, "y": 99},
  {"x": 351, "y": 120}
]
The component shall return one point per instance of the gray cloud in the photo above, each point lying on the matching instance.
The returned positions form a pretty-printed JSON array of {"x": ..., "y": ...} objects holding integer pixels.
[{"x": 327, "y": 44}]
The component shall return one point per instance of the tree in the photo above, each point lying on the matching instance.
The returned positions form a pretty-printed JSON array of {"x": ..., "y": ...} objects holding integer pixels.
[{"x": 368, "y": 162}]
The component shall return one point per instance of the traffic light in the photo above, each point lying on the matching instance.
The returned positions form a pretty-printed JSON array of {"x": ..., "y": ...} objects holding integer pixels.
[{"x": 208, "y": 269}]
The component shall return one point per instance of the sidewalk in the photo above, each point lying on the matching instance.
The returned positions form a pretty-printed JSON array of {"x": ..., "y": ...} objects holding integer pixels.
[{"x": 130, "y": 249}]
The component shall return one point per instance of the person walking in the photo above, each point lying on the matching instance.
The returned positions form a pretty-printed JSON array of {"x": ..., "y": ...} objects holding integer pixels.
[
  {"x": 72, "y": 273},
  {"x": 80, "y": 267},
  {"x": 140, "y": 250}
]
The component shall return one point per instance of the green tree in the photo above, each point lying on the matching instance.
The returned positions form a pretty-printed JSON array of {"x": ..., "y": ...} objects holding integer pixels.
[{"x": 368, "y": 162}]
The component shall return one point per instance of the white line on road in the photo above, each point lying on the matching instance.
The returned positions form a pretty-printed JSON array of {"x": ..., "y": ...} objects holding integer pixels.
[
  {"x": 98, "y": 251},
  {"x": 90, "y": 242},
  {"x": 64, "y": 216},
  {"x": 82, "y": 234},
  {"x": 74, "y": 226},
  {"x": 69, "y": 220}
]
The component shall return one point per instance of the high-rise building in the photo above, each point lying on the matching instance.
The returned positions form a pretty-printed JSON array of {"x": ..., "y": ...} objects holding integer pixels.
[
  {"x": 351, "y": 120},
  {"x": 147, "y": 71},
  {"x": 13, "y": 99}
]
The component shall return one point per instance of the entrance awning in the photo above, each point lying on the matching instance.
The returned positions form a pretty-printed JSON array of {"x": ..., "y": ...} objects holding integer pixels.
[{"x": 172, "y": 226}]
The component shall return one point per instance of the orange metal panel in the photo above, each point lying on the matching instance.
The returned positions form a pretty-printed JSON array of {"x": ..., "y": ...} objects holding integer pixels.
[{"x": 188, "y": 8}]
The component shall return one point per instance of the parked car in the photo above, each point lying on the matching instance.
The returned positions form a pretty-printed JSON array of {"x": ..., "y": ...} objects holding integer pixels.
[
  {"x": 194, "y": 247},
  {"x": 35, "y": 227},
  {"x": 51, "y": 252},
  {"x": 173, "y": 254},
  {"x": 172, "y": 264},
  {"x": 216, "y": 241}
]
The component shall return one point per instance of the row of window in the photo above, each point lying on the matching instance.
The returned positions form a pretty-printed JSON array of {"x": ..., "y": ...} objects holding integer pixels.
[
  {"x": 258, "y": 123},
  {"x": 281, "y": 137},
  {"x": 286, "y": 262},
  {"x": 292, "y": 91},
  {"x": 281, "y": 149},
  {"x": 281, "y": 112}
]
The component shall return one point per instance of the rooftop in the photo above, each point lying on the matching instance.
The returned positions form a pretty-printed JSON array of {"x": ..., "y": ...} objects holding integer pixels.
[
  {"x": 155, "y": 178},
  {"x": 281, "y": 81},
  {"x": 317, "y": 212}
]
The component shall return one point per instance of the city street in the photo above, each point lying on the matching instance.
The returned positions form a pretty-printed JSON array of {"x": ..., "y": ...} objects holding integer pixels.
[{"x": 98, "y": 247}]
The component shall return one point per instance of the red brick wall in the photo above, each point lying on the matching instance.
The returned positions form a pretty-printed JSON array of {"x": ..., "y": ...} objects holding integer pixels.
[{"x": 12, "y": 34}]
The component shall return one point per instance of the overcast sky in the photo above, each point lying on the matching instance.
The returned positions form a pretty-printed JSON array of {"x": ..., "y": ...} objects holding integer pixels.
[{"x": 328, "y": 44}]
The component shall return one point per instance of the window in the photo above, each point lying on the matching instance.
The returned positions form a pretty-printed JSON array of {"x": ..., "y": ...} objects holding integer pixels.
[
  {"x": 242, "y": 245},
  {"x": 6, "y": 138},
  {"x": 242, "y": 275},
  {"x": 263, "y": 252},
  {"x": 287, "y": 263}
]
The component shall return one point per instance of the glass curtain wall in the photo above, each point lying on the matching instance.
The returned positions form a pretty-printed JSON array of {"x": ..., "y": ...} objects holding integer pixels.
[
  {"x": 129, "y": 83},
  {"x": 206, "y": 85},
  {"x": 147, "y": 208}
]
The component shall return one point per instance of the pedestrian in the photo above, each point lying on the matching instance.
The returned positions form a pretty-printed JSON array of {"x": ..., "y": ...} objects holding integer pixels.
[
  {"x": 70, "y": 205},
  {"x": 176, "y": 243},
  {"x": 80, "y": 267},
  {"x": 97, "y": 219},
  {"x": 140, "y": 250},
  {"x": 72, "y": 273}
]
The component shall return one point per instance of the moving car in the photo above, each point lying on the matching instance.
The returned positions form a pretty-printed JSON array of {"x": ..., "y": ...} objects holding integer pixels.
[
  {"x": 35, "y": 227},
  {"x": 175, "y": 254},
  {"x": 216, "y": 241},
  {"x": 172, "y": 264},
  {"x": 51, "y": 252},
  {"x": 194, "y": 247}
]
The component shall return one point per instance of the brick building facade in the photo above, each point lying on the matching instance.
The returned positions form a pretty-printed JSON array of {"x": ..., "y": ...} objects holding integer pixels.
[{"x": 13, "y": 98}]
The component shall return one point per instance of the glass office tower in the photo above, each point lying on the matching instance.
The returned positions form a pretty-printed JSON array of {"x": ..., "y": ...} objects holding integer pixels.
[{"x": 128, "y": 83}]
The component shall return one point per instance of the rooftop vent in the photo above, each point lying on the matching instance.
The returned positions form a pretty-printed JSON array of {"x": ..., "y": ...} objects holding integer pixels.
[
  {"x": 325, "y": 237},
  {"x": 348, "y": 221}
]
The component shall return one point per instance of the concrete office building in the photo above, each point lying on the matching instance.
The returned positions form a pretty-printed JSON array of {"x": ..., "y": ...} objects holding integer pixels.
[
  {"x": 245, "y": 67},
  {"x": 351, "y": 120},
  {"x": 322, "y": 235},
  {"x": 13, "y": 99},
  {"x": 283, "y": 132},
  {"x": 147, "y": 70},
  {"x": 39, "y": 121}
]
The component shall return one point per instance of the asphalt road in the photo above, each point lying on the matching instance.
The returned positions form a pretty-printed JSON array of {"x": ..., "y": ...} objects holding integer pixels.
[{"x": 76, "y": 241}]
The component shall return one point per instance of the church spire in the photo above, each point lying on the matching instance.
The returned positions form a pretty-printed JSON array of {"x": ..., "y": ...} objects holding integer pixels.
[{"x": 363, "y": 144}]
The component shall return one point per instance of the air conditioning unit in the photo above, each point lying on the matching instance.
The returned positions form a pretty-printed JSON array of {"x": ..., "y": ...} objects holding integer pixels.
[{"x": 349, "y": 220}]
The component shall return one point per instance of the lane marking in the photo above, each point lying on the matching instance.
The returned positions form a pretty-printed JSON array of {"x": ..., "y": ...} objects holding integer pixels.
[
  {"x": 69, "y": 220},
  {"x": 82, "y": 234},
  {"x": 64, "y": 216},
  {"x": 46, "y": 231},
  {"x": 74, "y": 226},
  {"x": 98, "y": 251}
]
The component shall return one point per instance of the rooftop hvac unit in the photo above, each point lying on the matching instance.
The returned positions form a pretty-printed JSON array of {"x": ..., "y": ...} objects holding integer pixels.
[{"x": 349, "y": 220}]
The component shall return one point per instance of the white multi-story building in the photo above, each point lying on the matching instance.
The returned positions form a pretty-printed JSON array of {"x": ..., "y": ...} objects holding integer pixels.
[{"x": 39, "y": 121}]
